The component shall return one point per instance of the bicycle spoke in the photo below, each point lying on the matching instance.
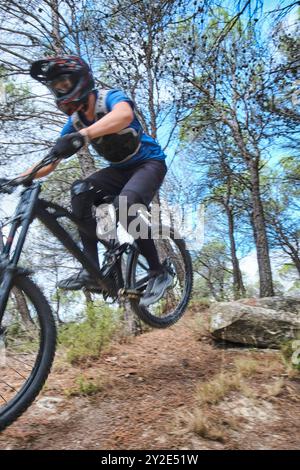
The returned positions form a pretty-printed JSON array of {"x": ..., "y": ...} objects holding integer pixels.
[
  {"x": 3, "y": 398},
  {"x": 19, "y": 360},
  {"x": 21, "y": 340},
  {"x": 9, "y": 386},
  {"x": 142, "y": 282},
  {"x": 142, "y": 265},
  {"x": 173, "y": 302},
  {"x": 17, "y": 372}
]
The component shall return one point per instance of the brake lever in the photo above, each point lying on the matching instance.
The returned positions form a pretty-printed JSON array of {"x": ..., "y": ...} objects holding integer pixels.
[{"x": 9, "y": 185}]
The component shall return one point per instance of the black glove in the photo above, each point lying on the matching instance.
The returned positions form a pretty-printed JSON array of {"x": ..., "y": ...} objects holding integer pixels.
[
  {"x": 68, "y": 144},
  {"x": 4, "y": 187}
]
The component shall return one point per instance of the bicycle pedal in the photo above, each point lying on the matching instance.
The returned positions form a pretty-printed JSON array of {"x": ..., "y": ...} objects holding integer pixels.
[{"x": 129, "y": 294}]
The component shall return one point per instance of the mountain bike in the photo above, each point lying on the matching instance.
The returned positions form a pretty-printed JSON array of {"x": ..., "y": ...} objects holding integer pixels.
[{"x": 27, "y": 326}]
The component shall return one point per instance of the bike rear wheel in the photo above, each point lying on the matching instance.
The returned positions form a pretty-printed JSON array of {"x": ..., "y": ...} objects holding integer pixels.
[
  {"x": 170, "y": 308},
  {"x": 27, "y": 348}
]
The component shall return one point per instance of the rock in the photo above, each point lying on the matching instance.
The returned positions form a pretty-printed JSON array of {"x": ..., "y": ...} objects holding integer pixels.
[
  {"x": 49, "y": 403},
  {"x": 287, "y": 304},
  {"x": 256, "y": 325}
]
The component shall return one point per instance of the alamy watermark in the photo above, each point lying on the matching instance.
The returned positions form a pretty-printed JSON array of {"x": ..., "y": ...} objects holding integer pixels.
[{"x": 160, "y": 221}]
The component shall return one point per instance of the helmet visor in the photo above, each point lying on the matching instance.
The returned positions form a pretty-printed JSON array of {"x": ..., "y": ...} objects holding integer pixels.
[{"x": 62, "y": 85}]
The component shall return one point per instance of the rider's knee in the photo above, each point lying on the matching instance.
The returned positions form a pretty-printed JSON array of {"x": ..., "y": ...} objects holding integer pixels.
[
  {"x": 81, "y": 187},
  {"x": 82, "y": 196}
]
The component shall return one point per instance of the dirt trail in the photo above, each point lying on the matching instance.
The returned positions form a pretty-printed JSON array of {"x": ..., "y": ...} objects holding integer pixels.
[{"x": 149, "y": 385}]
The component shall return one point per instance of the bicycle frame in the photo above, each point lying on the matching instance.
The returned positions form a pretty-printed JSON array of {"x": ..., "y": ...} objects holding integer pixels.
[{"x": 29, "y": 208}]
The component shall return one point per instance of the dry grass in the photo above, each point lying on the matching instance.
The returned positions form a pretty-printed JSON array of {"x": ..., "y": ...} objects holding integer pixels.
[
  {"x": 213, "y": 391},
  {"x": 272, "y": 367},
  {"x": 209, "y": 420},
  {"x": 275, "y": 389},
  {"x": 202, "y": 425},
  {"x": 200, "y": 422},
  {"x": 208, "y": 423},
  {"x": 246, "y": 367}
]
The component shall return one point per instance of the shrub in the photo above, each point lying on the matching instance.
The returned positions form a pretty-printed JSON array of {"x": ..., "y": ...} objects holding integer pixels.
[
  {"x": 291, "y": 353},
  {"x": 85, "y": 387},
  {"x": 88, "y": 339}
]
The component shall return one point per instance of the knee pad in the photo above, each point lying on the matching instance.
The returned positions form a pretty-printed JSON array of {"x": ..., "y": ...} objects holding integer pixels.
[
  {"x": 81, "y": 187},
  {"x": 82, "y": 197}
]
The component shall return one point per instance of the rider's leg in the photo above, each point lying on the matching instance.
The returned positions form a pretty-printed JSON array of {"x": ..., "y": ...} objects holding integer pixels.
[
  {"x": 85, "y": 193},
  {"x": 82, "y": 197},
  {"x": 139, "y": 183},
  {"x": 140, "y": 190},
  {"x": 92, "y": 191},
  {"x": 126, "y": 200}
]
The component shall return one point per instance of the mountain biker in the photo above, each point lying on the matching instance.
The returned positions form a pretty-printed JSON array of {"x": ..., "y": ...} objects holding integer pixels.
[{"x": 106, "y": 119}]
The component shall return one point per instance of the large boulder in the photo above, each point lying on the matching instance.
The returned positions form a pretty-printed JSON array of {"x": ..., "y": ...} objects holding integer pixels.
[
  {"x": 256, "y": 324},
  {"x": 287, "y": 304}
]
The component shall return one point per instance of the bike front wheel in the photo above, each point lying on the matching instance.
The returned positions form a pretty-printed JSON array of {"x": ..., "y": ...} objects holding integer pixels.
[
  {"x": 27, "y": 347},
  {"x": 172, "y": 252}
]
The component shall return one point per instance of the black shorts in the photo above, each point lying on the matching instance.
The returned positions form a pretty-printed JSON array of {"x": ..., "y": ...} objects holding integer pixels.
[{"x": 144, "y": 180}]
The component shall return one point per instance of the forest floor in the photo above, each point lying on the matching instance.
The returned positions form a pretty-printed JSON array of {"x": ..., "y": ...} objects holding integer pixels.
[{"x": 166, "y": 389}]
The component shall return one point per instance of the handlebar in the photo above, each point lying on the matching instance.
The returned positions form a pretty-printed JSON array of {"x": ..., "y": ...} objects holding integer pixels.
[
  {"x": 8, "y": 186},
  {"x": 65, "y": 147}
]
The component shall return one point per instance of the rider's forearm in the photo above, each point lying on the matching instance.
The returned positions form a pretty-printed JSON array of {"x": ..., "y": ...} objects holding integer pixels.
[
  {"x": 42, "y": 172},
  {"x": 119, "y": 118}
]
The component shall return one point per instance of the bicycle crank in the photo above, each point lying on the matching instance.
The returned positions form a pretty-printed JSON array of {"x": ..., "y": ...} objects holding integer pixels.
[{"x": 133, "y": 294}]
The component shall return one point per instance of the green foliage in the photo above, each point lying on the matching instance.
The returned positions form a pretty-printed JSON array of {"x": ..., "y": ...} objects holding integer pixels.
[
  {"x": 200, "y": 303},
  {"x": 17, "y": 97},
  {"x": 21, "y": 338},
  {"x": 85, "y": 387},
  {"x": 89, "y": 338},
  {"x": 291, "y": 354},
  {"x": 57, "y": 186},
  {"x": 295, "y": 288},
  {"x": 212, "y": 265},
  {"x": 201, "y": 292}
]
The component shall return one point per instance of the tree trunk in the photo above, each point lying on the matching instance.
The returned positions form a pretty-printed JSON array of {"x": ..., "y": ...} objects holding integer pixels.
[
  {"x": 86, "y": 161},
  {"x": 22, "y": 306},
  {"x": 260, "y": 234},
  {"x": 296, "y": 260},
  {"x": 57, "y": 43},
  {"x": 88, "y": 297},
  {"x": 238, "y": 285}
]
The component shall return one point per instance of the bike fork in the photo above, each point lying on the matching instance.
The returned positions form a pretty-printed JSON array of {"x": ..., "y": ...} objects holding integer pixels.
[{"x": 8, "y": 266}]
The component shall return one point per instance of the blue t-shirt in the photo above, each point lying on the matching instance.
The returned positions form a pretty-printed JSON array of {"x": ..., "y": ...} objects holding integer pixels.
[{"x": 149, "y": 147}]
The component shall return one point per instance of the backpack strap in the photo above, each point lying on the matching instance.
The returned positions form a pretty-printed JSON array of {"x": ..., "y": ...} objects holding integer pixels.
[
  {"x": 101, "y": 108},
  {"x": 76, "y": 121}
]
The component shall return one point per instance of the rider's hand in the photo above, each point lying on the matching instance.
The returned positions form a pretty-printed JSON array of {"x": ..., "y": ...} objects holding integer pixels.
[{"x": 69, "y": 144}]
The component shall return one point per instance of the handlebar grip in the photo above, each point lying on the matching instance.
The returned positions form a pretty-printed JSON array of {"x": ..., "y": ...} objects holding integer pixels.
[{"x": 6, "y": 186}]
